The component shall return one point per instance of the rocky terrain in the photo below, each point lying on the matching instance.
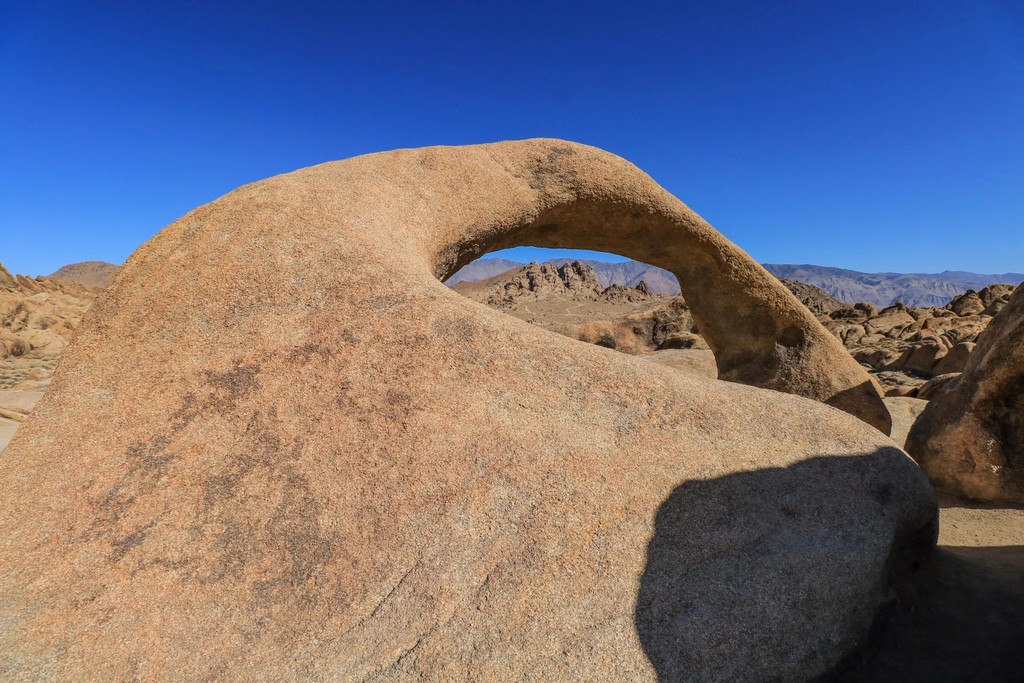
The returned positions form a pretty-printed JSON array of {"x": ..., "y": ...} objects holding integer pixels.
[
  {"x": 847, "y": 286},
  {"x": 38, "y": 316},
  {"x": 357, "y": 473},
  {"x": 903, "y": 347},
  {"x": 313, "y": 472},
  {"x": 907, "y": 346}
]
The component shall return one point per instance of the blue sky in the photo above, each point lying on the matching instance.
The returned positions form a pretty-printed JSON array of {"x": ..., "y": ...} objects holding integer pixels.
[{"x": 866, "y": 135}]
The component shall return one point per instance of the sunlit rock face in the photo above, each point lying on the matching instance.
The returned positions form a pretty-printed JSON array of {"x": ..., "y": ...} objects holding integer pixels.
[
  {"x": 970, "y": 438},
  {"x": 278, "y": 444}
]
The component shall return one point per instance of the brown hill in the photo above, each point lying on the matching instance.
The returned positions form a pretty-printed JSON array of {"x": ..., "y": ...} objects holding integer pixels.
[{"x": 92, "y": 274}]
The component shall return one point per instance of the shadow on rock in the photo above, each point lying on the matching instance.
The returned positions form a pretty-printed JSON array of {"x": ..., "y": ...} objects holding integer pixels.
[{"x": 776, "y": 574}]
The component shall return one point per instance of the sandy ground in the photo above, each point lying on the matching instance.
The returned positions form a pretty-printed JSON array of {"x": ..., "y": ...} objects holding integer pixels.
[
  {"x": 558, "y": 312},
  {"x": 7, "y": 429},
  {"x": 15, "y": 407},
  {"x": 962, "y": 615}
]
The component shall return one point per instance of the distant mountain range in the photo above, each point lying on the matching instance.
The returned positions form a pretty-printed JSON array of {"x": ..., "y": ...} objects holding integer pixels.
[
  {"x": 848, "y": 286},
  {"x": 884, "y": 289}
]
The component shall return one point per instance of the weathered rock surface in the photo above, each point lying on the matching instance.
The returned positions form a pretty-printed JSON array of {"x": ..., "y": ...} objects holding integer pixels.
[
  {"x": 970, "y": 439},
  {"x": 669, "y": 326},
  {"x": 698, "y": 362},
  {"x": 935, "y": 384},
  {"x": 276, "y": 465},
  {"x": 7, "y": 430}
]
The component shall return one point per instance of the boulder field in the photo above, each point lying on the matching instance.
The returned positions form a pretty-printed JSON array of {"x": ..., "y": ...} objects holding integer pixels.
[{"x": 256, "y": 464}]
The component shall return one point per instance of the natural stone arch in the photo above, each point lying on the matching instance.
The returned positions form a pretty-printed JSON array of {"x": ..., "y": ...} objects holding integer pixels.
[
  {"x": 279, "y": 444},
  {"x": 560, "y": 194}
]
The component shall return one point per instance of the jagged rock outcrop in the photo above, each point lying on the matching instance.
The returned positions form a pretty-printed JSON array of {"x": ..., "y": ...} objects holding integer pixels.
[
  {"x": 970, "y": 439},
  {"x": 573, "y": 280},
  {"x": 253, "y": 460},
  {"x": 7, "y": 281},
  {"x": 38, "y": 315},
  {"x": 813, "y": 298}
]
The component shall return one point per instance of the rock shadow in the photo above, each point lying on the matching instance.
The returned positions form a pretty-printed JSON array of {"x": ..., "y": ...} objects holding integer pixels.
[
  {"x": 961, "y": 620},
  {"x": 773, "y": 574}
]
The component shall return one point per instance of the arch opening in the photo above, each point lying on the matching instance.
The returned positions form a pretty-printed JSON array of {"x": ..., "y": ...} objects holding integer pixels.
[
  {"x": 593, "y": 297},
  {"x": 561, "y": 195}
]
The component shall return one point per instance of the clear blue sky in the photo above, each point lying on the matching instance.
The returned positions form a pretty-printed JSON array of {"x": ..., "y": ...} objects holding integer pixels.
[{"x": 868, "y": 135}]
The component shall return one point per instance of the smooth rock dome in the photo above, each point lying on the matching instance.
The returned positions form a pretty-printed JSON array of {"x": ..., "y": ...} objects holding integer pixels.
[{"x": 280, "y": 449}]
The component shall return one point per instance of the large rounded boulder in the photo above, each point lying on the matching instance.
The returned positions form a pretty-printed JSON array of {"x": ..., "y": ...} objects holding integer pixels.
[
  {"x": 970, "y": 438},
  {"x": 280, "y": 449}
]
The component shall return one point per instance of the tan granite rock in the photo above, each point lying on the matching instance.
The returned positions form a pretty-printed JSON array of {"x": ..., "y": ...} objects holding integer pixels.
[
  {"x": 253, "y": 463},
  {"x": 904, "y": 410},
  {"x": 955, "y": 360},
  {"x": 970, "y": 439}
]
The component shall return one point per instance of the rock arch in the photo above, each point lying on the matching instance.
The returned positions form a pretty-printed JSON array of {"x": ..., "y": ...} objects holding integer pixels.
[
  {"x": 278, "y": 444},
  {"x": 560, "y": 194}
]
